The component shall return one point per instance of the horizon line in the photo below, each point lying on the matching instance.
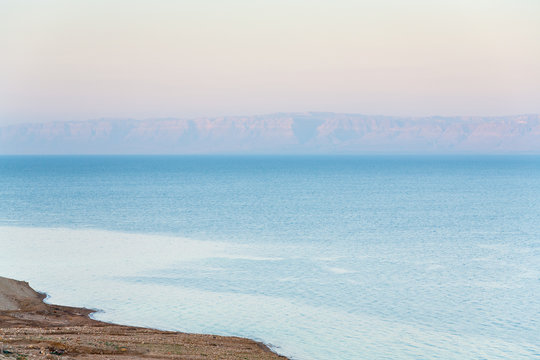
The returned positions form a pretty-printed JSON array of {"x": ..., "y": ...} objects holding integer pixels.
[{"x": 111, "y": 118}]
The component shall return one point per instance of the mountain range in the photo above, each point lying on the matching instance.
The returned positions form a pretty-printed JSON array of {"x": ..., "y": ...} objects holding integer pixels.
[{"x": 280, "y": 133}]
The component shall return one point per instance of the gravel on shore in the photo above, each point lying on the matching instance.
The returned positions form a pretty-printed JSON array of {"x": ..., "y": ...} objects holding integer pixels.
[{"x": 32, "y": 329}]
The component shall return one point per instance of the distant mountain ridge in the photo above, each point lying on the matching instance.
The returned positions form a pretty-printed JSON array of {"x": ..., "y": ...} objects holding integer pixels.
[{"x": 280, "y": 133}]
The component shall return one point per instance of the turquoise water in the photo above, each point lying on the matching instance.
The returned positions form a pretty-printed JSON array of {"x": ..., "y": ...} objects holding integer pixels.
[{"x": 320, "y": 257}]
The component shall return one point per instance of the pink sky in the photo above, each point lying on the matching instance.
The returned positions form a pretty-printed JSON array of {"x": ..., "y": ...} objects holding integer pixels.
[{"x": 67, "y": 60}]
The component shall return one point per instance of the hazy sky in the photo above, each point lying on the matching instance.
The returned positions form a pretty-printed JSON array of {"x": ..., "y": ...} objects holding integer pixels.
[{"x": 75, "y": 60}]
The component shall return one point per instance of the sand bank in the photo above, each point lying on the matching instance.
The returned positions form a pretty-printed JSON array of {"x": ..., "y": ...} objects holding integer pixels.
[{"x": 32, "y": 329}]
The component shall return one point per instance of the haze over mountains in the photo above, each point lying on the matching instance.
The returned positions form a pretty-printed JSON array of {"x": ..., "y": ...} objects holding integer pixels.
[{"x": 281, "y": 133}]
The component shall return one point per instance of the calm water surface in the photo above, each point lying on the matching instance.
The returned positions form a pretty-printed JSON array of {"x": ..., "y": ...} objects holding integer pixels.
[{"x": 321, "y": 257}]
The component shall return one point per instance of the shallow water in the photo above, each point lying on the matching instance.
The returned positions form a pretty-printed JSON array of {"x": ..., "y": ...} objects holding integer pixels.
[{"x": 321, "y": 257}]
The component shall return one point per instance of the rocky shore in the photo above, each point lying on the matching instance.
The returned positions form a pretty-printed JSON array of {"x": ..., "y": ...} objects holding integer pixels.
[{"x": 32, "y": 329}]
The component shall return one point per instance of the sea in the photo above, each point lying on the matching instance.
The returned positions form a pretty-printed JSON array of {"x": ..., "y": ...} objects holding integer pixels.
[{"x": 319, "y": 257}]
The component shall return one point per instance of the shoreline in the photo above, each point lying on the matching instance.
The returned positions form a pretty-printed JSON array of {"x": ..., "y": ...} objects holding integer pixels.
[{"x": 33, "y": 329}]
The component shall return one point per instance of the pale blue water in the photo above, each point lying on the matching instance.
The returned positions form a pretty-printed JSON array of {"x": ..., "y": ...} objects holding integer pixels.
[{"x": 321, "y": 257}]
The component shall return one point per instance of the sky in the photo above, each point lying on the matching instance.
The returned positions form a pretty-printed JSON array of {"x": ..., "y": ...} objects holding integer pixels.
[{"x": 78, "y": 60}]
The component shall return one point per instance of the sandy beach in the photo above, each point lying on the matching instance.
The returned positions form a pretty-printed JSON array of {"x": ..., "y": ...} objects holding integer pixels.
[{"x": 32, "y": 329}]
